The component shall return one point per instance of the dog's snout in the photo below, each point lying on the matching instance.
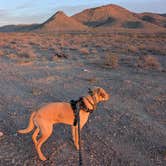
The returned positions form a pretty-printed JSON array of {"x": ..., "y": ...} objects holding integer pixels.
[{"x": 108, "y": 97}]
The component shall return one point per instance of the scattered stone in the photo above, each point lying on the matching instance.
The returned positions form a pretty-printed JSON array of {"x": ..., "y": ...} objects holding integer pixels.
[
  {"x": 15, "y": 134},
  {"x": 85, "y": 70},
  {"x": 1, "y": 134}
]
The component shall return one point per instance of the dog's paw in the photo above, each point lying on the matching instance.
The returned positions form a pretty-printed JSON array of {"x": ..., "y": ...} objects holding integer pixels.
[
  {"x": 77, "y": 147},
  {"x": 165, "y": 158},
  {"x": 43, "y": 158}
]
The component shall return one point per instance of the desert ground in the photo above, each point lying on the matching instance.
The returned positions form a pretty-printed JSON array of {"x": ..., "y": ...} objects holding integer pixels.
[{"x": 38, "y": 68}]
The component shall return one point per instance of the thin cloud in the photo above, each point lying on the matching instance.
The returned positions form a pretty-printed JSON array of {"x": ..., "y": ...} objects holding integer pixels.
[
  {"x": 70, "y": 10},
  {"x": 26, "y": 5},
  {"x": 3, "y": 12},
  {"x": 157, "y": 6}
]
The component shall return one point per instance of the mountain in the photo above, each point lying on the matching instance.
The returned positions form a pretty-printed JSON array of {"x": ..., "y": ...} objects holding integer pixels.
[
  {"x": 61, "y": 22},
  {"x": 112, "y": 16}
]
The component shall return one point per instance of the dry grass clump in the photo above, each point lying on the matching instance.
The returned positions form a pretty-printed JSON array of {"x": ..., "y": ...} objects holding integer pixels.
[
  {"x": 36, "y": 92},
  {"x": 12, "y": 56},
  {"x": 1, "y": 53},
  {"x": 94, "y": 51},
  {"x": 92, "y": 80},
  {"x": 148, "y": 62},
  {"x": 2, "y": 43},
  {"x": 27, "y": 53},
  {"x": 132, "y": 49},
  {"x": 84, "y": 51},
  {"x": 112, "y": 60}
]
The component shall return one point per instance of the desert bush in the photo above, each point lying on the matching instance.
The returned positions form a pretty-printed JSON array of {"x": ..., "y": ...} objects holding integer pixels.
[
  {"x": 36, "y": 92},
  {"x": 27, "y": 53},
  {"x": 84, "y": 51},
  {"x": 112, "y": 60},
  {"x": 1, "y": 53},
  {"x": 91, "y": 80},
  {"x": 2, "y": 43},
  {"x": 12, "y": 55},
  {"x": 148, "y": 62},
  {"x": 94, "y": 51},
  {"x": 132, "y": 49}
]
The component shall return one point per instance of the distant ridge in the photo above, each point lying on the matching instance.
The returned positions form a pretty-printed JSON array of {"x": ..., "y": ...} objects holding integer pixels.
[
  {"x": 100, "y": 18},
  {"x": 19, "y": 28},
  {"x": 164, "y": 15},
  {"x": 158, "y": 19}
]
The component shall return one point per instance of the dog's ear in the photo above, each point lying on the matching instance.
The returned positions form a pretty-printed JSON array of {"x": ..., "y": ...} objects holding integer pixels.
[
  {"x": 103, "y": 94},
  {"x": 100, "y": 92},
  {"x": 95, "y": 90}
]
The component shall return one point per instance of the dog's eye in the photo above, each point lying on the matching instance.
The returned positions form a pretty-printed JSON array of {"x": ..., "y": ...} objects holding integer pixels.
[{"x": 102, "y": 95}]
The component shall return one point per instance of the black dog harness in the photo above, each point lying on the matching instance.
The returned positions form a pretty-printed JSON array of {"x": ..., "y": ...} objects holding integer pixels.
[{"x": 79, "y": 104}]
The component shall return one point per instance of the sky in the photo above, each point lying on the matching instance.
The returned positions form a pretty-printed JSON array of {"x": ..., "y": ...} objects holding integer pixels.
[{"x": 38, "y": 11}]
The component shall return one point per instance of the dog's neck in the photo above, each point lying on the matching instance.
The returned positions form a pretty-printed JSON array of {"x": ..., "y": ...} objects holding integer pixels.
[{"x": 91, "y": 101}]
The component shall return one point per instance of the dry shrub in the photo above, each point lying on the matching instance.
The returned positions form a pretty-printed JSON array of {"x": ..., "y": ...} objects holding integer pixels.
[
  {"x": 12, "y": 56},
  {"x": 132, "y": 49},
  {"x": 92, "y": 80},
  {"x": 112, "y": 60},
  {"x": 27, "y": 53},
  {"x": 2, "y": 43},
  {"x": 36, "y": 92},
  {"x": 84, "y": 51},
  {"x": 1, "y": 53},
  {"x": 128, "y": 60},
  {"x": 148, "y": 62},
  {"x": 94, "y": 51}
]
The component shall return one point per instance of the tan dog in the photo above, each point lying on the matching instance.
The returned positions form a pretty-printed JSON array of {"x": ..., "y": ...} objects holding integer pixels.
[{"x": 61, "y": 112}]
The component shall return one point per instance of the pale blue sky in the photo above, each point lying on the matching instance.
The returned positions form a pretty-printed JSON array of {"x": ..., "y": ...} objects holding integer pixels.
[{"x": 37, "y": 11}]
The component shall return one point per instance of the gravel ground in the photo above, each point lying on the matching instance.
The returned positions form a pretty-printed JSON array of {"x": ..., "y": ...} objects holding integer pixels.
[{"x": 128, "y": 130}]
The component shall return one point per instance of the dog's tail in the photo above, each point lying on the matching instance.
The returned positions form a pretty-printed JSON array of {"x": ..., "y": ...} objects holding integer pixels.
[{"x": 30, "y": 126}]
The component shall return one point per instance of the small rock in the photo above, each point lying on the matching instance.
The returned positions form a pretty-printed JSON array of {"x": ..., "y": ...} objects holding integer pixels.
[
  {"x": 1, "y": 134},
  {"x": 85, "y": 70},
  {"x": 15, "y": 134}
]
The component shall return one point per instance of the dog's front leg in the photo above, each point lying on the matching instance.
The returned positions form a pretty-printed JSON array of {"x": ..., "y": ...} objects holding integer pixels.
[
  {"x": 75, "y": 135},
  {"x": 83, "y": 120}
]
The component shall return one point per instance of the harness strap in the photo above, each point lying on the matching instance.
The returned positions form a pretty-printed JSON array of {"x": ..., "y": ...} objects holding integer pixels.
[
  {"x": 92, "y": 104},
  {"x": 79, "y": 141},
  {"x": 93, "y": 98},
  {"x": 77, "y": 105},
  {"x": 75, "y": 110}
]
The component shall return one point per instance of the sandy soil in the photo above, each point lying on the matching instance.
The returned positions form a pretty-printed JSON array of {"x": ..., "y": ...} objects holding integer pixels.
[{"x": 128, "y": 130}]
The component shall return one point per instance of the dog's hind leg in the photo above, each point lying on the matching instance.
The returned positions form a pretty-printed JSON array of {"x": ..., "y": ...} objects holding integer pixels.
[
  {"x": 45, "y": 133},
  {"x": 34, "y": 136}
]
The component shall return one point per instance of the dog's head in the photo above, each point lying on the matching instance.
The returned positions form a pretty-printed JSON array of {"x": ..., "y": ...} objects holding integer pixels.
[{"x": 101, "y": 94}]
